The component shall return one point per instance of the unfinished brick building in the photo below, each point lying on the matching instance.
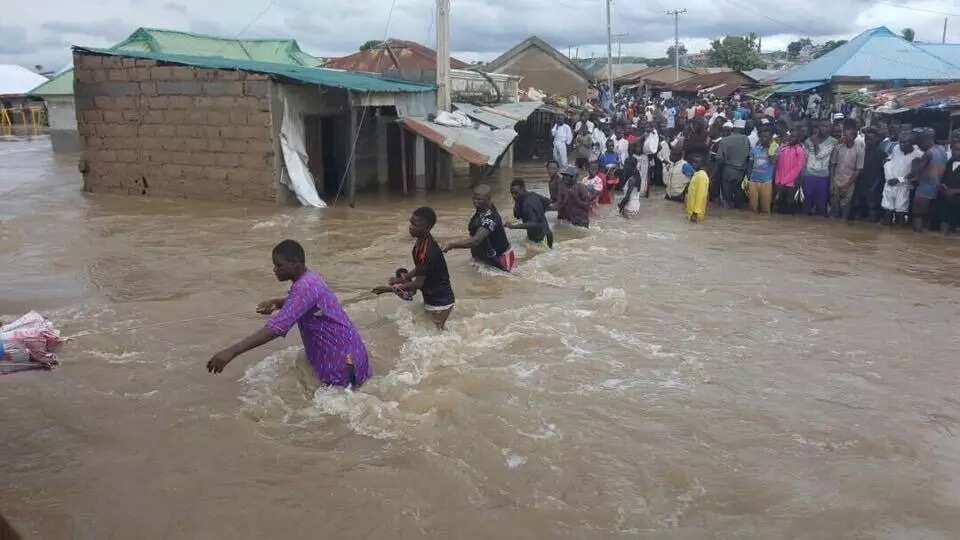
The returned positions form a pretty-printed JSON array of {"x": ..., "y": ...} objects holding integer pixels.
[{"x": 221, "y": 129}]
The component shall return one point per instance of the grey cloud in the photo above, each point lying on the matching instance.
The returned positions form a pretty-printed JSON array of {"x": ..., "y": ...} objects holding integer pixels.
[
  {"x": 14, "y": 40},
  {"x": 206, "y": 26},
  {"x": 174, "y": 6},
  {"x": 112, "y": 29}
]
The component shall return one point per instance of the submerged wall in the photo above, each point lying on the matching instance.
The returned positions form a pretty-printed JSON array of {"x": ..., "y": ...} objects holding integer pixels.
[
  {"x": 174, "y": 131},
  {"x": 62, "y": 116}
]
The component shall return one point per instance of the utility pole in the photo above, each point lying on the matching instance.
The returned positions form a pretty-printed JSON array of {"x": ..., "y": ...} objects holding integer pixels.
[
  {"x": 619, "y": 37},
  {"x": 443, "y": 55},
  {"x": 944, "y": 40},
  {"x": 676, "y": 40},
  {"x": 609, "y": 54}
]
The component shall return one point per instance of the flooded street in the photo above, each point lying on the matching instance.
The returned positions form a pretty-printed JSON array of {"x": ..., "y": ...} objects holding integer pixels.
[{"x": 744, "y": 378}]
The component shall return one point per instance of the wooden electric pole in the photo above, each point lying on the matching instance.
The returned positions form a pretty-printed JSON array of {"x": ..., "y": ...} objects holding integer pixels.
[
  {"x": 443, "y": 55},
  {"x": 609, "y": 55}
]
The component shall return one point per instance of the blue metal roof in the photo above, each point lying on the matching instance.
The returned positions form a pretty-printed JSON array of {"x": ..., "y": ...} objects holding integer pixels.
[
  {"x": 347, "y": 80},
  {"x": 947, "y": 51},
  {"x": 877, "y": 54}
]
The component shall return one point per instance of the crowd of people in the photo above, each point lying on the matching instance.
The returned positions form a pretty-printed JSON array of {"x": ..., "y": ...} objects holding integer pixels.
[
  {"x": 735, "y": 154},
  {"x": 778, "y": 157}
]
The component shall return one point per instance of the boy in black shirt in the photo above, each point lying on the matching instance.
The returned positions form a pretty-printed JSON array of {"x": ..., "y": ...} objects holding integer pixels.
[
  {"x": 531, "y": 209},
  {"x": 430, "y": 274}
]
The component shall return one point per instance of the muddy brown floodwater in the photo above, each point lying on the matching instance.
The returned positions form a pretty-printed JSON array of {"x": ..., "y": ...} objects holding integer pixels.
[{"x": 744, "y": 378}]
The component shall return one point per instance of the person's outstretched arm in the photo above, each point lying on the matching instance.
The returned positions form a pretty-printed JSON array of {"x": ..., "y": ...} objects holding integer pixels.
[
  {"x": 254, "y": 340},
  {"x": 468, "y": 243}
]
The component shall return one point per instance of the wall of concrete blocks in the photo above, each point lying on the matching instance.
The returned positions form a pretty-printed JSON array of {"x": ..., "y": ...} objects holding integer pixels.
[{"x": 175, "y": 131}]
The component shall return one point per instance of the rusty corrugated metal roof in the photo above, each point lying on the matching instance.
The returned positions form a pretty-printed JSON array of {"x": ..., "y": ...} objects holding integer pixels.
[
  {"x": 941, "y": 96},
  {"x": 412, "y": 57},
  {"x": 476, "y": 146},
  {"x": 720, "y": 84}
]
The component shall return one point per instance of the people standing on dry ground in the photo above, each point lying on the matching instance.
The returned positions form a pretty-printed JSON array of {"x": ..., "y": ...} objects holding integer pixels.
[
  {"x": 698, "y": 192},
  {"x": 869, "y": 183},
  {"x": 896, "y": 192},
  {"x": 733, "y": 154},
  {"x": 927, "y": 178},
  {"x": 331, "y": 342},
  {"x": 531, "y": 209},
  {"x": 950, "y": 188},
  {"x": 562, "y": 139},
  {"x": 791, "y": 159},
  {"x": 846, "y": 163},
  {"x": 763, "y": 162},
  {"x": 816, "y": 175},
  {"x": 429, "y": 275},
  {"x": 488, "y": 241}
]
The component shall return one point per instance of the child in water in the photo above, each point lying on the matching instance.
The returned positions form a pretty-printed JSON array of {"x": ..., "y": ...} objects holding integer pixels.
[
  {"x": 430, "y": 275},
  {"x": 697, "y": 192}
]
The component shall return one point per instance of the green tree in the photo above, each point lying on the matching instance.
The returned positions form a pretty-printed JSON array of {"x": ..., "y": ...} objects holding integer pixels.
[
  {"x": 736, "y": 52},
  {"x": 683, "y": 52},
  {"x": 372, "y": 44},
  {"x": 829, "y": 46},
  {"x": 794, "y": 48},
  {"x": 908, "y": 34}
]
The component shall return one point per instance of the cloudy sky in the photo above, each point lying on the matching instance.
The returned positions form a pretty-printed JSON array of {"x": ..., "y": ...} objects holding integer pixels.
[{"x": 39, "y": 32}]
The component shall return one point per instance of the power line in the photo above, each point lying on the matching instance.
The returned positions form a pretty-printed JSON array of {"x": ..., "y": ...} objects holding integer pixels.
[
  {"x": 925, "y": 10},
  {"x": 255, "y": 19},
  {"x": 363, "y": 116},
  {"x": 797, "y": 30}
]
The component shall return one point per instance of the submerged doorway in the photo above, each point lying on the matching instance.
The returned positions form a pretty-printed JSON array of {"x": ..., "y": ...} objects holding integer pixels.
[{"x": 325, "y": 153}]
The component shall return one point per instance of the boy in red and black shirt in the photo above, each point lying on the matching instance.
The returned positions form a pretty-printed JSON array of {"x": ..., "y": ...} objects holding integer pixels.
[{"x": 430, "y": 275}]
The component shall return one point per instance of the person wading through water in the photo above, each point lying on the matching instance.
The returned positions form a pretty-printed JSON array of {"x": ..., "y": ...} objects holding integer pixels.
[
  {"x": 331, "y": 342},
  {"x": 488, "y": 241}
]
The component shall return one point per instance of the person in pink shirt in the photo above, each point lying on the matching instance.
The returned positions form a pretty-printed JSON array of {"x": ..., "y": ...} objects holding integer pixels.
[{"x": 791, "y": 159}]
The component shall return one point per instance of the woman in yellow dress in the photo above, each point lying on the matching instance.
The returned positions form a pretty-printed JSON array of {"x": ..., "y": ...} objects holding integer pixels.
[{"x": 698, "y": 192}]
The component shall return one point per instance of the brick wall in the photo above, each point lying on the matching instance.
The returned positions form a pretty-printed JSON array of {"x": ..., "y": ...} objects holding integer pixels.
[{"x": 174, "y": 131}]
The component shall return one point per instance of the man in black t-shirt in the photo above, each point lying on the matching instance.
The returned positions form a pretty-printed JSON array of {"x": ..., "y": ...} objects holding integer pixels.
[
  {"x": 488, "y": 241},
  {"x": 531, "y": 209},
  {"x": 430, "y": 275},
  {"x": 950, "y": 187}
]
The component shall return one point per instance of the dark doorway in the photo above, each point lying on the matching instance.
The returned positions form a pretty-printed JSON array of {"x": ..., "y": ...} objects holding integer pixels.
[{"x": 324, "y": 153}]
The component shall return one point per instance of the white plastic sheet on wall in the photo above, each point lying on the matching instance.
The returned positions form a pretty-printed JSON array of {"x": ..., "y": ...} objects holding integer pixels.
[{"x": 296, "y": 175}]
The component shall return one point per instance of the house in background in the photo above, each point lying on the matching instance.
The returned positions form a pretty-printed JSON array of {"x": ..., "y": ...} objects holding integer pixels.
[
  {"x": 411, "y": 61},
  {"x": 209, "y": 127},
  {"x": 875, "y": 59},
  {"x": 15, "y": 85},
  {"x": 654, "y": 79},
  {"x": 721, "y": 85},
  {"x": 543, "y": 67},
  {"x": 58, "y": 91}
]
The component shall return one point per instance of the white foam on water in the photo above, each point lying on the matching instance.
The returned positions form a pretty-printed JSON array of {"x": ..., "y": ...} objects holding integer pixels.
[
  {"x": 514, "y": 460},
  {"x": 129, "y": 357},
  {"x": 661, "y": 236},
  {"x": 279, "y": 221},
  {"x": 634, "y": 341},
  {"x": 275, "y": 392}
]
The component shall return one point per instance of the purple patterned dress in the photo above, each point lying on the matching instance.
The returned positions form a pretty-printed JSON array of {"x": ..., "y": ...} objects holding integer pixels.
[{"x": 329, "y": 337}]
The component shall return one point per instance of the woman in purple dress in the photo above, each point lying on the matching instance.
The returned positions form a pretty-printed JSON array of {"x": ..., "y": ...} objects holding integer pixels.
[{"x": 332, "y": 344}]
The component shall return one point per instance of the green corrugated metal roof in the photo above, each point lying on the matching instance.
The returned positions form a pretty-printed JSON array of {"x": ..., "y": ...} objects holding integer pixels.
[
  {"x": 280, "y": 51},
  {"x": 346, "y": 80},
  {"x": 59, "y": 85}
]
